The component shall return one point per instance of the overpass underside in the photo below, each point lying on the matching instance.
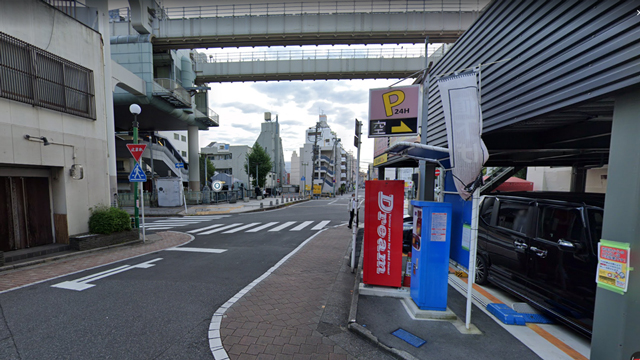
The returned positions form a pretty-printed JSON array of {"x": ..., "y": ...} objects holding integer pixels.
[
  {"x": 309, "y": 69},
  {"x": 307, "y": 29}
]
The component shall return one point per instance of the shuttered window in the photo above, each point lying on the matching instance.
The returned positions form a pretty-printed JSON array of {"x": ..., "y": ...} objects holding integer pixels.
[{"x": 37, "y": 77}]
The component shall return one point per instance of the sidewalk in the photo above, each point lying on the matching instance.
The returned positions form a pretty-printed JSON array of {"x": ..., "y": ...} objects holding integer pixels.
[
  {"x": 239, "y": 206},
  {"x": 299, "y": 311}
]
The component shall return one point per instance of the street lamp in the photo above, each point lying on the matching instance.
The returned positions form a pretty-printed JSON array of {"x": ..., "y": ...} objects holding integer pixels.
[
  {"x": 335, "y": 165},
  {"x": 135, "y": 110}
]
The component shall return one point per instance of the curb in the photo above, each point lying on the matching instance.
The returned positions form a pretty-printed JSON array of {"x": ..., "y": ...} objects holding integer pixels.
[{"x": 65, "y": 256}]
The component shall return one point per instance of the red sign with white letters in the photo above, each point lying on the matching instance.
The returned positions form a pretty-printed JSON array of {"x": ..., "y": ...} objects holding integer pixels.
[
  {"x": 136, "y": 150},
  {"x": 382, "y": 250}
]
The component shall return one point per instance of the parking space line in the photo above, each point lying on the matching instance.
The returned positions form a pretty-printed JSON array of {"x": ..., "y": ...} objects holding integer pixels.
[{"x": 556, "y": 342}]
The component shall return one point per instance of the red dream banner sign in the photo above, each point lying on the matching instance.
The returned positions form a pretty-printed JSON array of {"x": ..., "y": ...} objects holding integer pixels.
[{"x": 383, "y": 208}]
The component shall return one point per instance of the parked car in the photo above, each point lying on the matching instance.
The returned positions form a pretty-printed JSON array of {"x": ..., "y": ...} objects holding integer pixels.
[
  {"x": 542, "y": 247},
  {"x": 407, "y": 233}
]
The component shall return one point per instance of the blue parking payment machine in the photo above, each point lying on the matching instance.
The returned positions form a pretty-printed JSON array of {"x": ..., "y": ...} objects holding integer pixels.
[{"x": 430, "y": 254}]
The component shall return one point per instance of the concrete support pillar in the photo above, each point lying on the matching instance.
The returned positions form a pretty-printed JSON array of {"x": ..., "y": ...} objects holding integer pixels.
[
  {"x": 194, "y": 159},
  {"x": 103, "y": 26},
  {"x": 578, "y": 179},
  {"x": 426, "y": 186},
  {"x": 617, "y": 318}
]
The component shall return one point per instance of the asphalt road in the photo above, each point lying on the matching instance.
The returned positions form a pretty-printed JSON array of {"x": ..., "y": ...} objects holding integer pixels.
[{"x": 157, "y": 306}]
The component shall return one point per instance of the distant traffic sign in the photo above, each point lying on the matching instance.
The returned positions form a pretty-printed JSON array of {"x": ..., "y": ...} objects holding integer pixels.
[
  {"x": 136, "y": 150},
  {"x": 179, "y": 165},
  {"x": 303, "y": 179},
  {"x": 217, "y": 185},
  {"x": 137, "y": 175}
]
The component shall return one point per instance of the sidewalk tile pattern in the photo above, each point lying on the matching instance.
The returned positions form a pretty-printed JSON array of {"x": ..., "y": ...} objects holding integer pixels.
[
  {"x": 279, "y": 317},
  {"x": 24, "y": 276}
]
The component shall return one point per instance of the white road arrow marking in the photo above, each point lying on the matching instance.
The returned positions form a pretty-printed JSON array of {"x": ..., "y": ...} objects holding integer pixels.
[{"x": 83, "y": 283}]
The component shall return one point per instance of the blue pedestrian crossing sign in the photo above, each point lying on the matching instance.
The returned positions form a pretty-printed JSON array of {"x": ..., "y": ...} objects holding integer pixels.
[
  {"x": 303, "y": 179},
  {"x": 137, "y": 175}
]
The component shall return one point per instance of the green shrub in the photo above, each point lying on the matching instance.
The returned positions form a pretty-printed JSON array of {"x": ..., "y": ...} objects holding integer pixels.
[{"x": 107, "y": 220}]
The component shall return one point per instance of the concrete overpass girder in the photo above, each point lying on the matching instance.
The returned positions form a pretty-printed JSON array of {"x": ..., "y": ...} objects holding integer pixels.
[{"x": 315, "y": 29}]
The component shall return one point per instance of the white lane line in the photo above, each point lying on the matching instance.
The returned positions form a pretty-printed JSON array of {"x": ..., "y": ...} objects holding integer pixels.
[
  {"x": 301, "y": 226},
  {"x": 262, "y": 227},
  {"x": 285, "y": 225},
  {"x": 320, "y": 225},
  {"x": 241, "y": 228},
  {"x": 202, "y": 250},
  {"x": 158, "y": 228},
  {"x": 333, "y": 202},
  {"x": 220, "y": 229},
  {"x": 215, "y": 341},
  {"x": 204, "y": 228}
]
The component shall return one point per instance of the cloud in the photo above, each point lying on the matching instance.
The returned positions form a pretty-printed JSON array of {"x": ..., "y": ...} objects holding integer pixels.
[
  {"x": 245, "y": 107},
  {"x": 250, "y": 127}
]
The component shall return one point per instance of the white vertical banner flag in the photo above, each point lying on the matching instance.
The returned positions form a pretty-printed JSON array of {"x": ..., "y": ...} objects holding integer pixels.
[{"x": 463, "y": 119}]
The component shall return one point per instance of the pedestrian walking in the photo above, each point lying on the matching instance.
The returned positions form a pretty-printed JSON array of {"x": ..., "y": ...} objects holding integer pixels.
[{"x": 353, "y": 205}]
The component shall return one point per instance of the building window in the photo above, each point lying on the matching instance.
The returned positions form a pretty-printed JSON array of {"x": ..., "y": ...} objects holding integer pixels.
[
  {"x": 120, "y": 165},
  {"x": 37, "y": 77},
  {"x": 184, "y": 153},
  {"x": 184, "y": 138},
  {"x": 176, "y": 136}
]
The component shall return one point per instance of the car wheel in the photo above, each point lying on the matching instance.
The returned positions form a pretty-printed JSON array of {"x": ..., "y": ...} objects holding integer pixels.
[{"x": 482, "y": 267}]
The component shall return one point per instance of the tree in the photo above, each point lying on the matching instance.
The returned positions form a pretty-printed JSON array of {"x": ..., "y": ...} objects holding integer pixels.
[
  {"x": 258, "y": 156},
  {"x": 211, "y": 169}
]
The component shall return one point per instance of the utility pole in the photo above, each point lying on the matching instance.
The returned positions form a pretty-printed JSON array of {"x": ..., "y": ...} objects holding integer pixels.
[
  {"x": 316, "y": 156},
  {"x": 357, "y": 143}
]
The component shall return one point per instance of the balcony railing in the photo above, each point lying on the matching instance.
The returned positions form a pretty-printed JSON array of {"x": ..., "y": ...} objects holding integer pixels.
[
  {"x": 172, "y": 92},
  {"x": 212, "y": 119},
  {"x": 315, "y": 54}
]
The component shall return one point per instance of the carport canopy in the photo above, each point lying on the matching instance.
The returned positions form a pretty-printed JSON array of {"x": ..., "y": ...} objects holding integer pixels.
[{"x": 416, "y": 151}]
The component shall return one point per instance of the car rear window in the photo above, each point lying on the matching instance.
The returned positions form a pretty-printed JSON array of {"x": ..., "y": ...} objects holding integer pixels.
[{"x": 560, "y": 224}]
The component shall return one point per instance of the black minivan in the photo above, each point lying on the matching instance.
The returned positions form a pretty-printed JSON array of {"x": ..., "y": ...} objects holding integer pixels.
[{"x": 542, "y": 247}]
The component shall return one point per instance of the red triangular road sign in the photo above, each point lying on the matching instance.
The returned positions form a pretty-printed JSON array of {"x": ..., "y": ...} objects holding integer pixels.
[{"x": 136, "y": 150}]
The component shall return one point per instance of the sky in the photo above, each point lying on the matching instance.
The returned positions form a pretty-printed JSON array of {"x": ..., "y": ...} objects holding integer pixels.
[{"x": 298, "y": 104}]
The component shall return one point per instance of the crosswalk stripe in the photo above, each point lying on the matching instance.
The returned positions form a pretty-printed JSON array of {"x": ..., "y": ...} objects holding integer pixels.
[
  {"x": 320, "y": 225},
  {"x": 287, "y": 224},
  {"x": 220, "y": 229},
  {"x": 204, "y": 228},
  {"x": 262, "y": 227},
  {"x": 301, "y": 226},
  {"x": 241, "y": 228}
]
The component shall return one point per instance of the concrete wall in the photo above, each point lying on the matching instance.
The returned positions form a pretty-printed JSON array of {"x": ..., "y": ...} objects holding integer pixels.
[
  {"x": 36, "y": 23},
  {"x": 559, "y": 179}
]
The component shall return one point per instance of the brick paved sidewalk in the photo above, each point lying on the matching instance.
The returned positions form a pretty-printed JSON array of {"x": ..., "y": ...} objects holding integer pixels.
[
  {"x": 280, "y": 318},
  {"x": 51, "y": 269}
]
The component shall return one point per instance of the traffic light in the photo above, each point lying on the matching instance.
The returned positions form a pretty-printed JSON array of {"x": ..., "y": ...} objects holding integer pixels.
[{"x": 356, "y": 139}]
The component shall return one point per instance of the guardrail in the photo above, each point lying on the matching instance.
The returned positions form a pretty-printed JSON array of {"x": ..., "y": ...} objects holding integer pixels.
[
  {"x": 316, "y": 54},
  {"x": 307, "y": 8}
]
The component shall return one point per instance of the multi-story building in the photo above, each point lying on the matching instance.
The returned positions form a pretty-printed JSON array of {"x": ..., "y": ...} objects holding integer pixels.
[
  {"x": 270, "y": 140},
  {"x": 322, "y": 154},
  {"x": 295, "y": 169},
  {"x": 53, "y": 120},
  {"x": 228, "y": 159}
]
